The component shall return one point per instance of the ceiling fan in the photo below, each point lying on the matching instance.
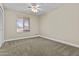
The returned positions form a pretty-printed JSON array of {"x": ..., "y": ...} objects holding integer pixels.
[{"x": 34, "y": 7}]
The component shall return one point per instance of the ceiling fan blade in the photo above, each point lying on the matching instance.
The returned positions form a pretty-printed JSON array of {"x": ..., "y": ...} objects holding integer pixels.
[
  {"x": 29, "y": 7},
  {"x": 39, "y": 9}
]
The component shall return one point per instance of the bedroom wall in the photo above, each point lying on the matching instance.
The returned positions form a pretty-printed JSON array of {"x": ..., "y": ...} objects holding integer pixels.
[
  {"x": 62, "y": 24},
  {"x": 10, "y": 25}
]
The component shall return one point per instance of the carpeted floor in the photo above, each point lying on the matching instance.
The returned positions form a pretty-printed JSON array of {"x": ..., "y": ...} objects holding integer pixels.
[{"x": 37, "y": 47}]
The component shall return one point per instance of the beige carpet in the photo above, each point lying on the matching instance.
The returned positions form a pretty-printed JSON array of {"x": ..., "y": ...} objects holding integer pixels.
[{"x": 37, "y": 47}]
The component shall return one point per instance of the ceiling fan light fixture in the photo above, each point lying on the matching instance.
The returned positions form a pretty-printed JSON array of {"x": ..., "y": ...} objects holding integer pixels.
[{"x": 35, "y": 8}]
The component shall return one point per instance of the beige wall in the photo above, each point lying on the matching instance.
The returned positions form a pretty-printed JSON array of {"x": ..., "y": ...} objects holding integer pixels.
[
  {"x": 62, "y": 24},
  {"x": 10, "y": 25}
]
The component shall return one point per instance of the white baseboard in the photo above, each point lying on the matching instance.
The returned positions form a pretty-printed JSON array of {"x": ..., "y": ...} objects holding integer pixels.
[
  {"x": 64, "y": 42},
  {"x": 22, "y": 38}
]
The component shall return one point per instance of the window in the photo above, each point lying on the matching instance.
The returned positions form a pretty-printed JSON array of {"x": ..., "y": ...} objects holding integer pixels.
[{"x": 23, "y": 24}]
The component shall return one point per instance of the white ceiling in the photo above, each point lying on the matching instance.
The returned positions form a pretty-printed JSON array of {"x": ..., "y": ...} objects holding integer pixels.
[{"x": 23, "y": 7}]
